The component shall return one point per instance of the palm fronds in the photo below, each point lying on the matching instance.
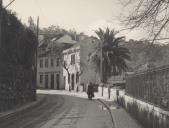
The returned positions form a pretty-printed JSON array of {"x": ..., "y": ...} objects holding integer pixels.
[{"x": 114, "y": 54}]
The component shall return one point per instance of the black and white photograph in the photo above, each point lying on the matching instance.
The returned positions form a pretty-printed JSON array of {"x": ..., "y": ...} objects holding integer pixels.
[{"x": 84, "y": 63}]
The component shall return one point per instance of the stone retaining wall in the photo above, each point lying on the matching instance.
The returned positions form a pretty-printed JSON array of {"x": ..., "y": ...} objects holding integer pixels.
[{"x": 148, "y": 114}]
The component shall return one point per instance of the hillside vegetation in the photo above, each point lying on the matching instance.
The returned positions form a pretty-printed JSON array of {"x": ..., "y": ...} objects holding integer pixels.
[
  {"x": 145, "y": 55},
  {"x": 17, "y": 62}
]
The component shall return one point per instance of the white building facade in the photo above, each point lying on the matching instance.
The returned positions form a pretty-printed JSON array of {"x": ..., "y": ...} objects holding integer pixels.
[
  {"x": 50, "y": 73},
  {"x": 80, "y": 70},
  {"x": 71, "y": 70},
  {"x": 49, "y": 65}
]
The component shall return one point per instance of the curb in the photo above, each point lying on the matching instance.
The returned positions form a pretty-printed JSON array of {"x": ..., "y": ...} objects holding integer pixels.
[
  {"x": 22, "y": 109},
  {"x": 111, "y": 115}
]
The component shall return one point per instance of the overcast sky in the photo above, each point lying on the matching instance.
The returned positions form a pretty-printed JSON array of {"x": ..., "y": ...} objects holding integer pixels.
[{"x": 81, "y": 15}]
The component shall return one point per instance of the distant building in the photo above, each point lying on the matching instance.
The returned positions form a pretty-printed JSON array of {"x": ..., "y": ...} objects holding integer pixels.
[
  {"x": 80, "y": 70},
  {"x": 49, "y": 68}
]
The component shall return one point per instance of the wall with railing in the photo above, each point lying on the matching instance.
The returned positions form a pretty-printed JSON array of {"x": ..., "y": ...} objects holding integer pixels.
[
  {"x": 147, "y": 114},
  {"x": 151, "y": 86}
]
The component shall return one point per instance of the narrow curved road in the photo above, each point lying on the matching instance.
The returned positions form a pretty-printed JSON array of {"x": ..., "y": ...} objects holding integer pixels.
[{"x": 60, "y": 111}]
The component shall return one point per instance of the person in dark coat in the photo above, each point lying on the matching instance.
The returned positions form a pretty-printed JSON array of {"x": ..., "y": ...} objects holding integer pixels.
[{"x": 90, "y": 90}]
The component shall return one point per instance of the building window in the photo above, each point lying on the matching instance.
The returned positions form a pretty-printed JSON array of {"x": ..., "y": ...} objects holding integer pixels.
[
  {"x": 41, "y": 63},
  {"x": 51, "y": 62},
  {"x": 46, "y": 63},
  {"x": 73, "y": 59},
  {"x": 68, "y": 78},
  {"x": 77, "y": 77},
  {"x": 57, "y": 62},
  {"x": 41, "y": 79}
]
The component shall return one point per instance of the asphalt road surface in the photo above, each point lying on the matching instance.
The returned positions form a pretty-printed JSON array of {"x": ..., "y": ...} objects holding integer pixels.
[{"x": 60, "y": 111}]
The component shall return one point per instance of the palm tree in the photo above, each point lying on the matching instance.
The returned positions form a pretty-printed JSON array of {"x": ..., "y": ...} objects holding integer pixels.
[{"x": 114, "y": 55}]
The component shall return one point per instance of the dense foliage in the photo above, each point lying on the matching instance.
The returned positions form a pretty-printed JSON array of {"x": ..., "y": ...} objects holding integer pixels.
[
  {"x": 145, "y": 55},
  {"x": 17, "y": 62}
]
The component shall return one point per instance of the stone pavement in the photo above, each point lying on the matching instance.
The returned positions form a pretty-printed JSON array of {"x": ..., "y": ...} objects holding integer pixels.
[{"x": 121, "y": 118}]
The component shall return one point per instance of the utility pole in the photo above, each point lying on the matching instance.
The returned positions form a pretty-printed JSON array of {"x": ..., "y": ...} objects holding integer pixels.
[
  {"x": 37, "y": 35},
  {"x": 0, "y": 24},
  {"x": 36, "y": 55}
]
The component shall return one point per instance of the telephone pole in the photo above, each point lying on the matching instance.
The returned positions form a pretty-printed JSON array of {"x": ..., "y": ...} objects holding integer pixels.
[
  {"x": 36, "y": 52},
  {"x": 36, "y": 56},
  {"x": 0, "y": 24}
]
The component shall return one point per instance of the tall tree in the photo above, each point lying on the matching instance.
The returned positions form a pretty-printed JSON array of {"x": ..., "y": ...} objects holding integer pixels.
[{"x": 114, "y": 55}]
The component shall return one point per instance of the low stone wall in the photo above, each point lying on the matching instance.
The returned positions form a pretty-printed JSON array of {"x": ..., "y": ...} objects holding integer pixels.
[
  {"x": 99, "y": 91},
  {"x": 143, "y": 105},
  {"x": 113, "y": 94},
  {"x": 146, "y": 113},
  {"x": 109, "y": 93},
  {"x": 103, "y": 91}
]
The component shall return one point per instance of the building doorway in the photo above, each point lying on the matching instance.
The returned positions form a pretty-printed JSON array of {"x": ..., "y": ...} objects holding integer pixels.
[
  {"x": 73, "y": 81},
  {"x": 64, "y": 80},
  {"x": 46, "y": 81},
  {"x": 58, "y": 81},
  {"x": 52, "y": 81}
]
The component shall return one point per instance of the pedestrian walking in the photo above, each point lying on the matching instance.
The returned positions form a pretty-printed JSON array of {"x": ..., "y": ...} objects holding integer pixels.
[{"x": 90, "y": 90}]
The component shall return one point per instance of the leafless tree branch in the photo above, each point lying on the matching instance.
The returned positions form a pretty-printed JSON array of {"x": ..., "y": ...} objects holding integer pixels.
[{"x": 152, "y": 15}]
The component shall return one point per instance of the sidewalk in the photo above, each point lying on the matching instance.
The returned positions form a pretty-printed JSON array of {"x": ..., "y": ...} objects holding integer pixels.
[
  {"x": 19, "y": 110},
  {"x": 121, "y": 118},
  {"x": 63, "y": 92}
]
